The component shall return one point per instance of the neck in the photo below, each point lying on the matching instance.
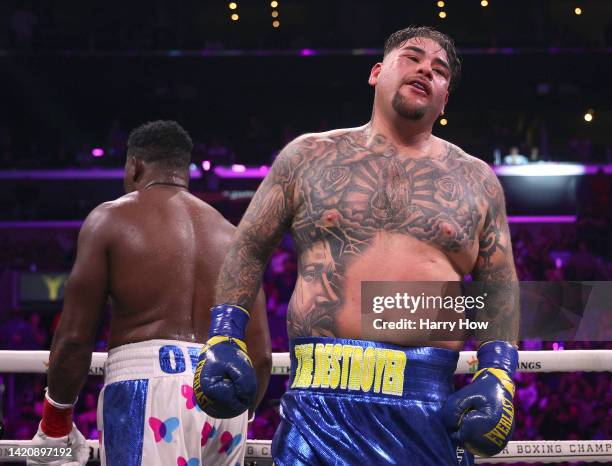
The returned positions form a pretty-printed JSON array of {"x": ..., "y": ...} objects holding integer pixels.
[
  {"x": 173, "y": 180},
  {"x": 407, "y": 135}
]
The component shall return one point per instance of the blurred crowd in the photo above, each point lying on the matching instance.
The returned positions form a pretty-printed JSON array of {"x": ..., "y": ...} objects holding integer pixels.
[{"x": 259, "y": 144}]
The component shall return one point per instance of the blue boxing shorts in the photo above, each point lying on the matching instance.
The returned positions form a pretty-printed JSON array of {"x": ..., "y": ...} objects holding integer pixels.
[{"x": 355, "y": 402}]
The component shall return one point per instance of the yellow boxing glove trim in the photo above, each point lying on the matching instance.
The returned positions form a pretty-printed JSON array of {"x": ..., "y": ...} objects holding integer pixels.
[
  {"x": 501, "y": 375},
  {"x": 220, "y": 338},
  {"x": 242, "y": 309}
]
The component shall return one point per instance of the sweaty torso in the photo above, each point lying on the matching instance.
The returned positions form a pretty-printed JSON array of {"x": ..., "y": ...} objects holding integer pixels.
[
  {"x": 371, "y": 213},
  {"x": 165, "y": 253}
]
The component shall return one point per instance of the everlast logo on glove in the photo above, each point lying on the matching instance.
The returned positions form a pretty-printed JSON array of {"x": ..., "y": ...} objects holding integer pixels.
[{"x": 503, "y": 428}]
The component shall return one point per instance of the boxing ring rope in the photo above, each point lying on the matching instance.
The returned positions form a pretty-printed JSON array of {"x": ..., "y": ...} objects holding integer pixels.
[
  {"x": 543, "y": 451},
  {"x": 529, "y": 361}
]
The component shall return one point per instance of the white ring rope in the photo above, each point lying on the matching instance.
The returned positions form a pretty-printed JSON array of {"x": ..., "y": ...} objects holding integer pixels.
[
  {"x": 542, "y": 451},
  {"x": 12, "y": 361}
]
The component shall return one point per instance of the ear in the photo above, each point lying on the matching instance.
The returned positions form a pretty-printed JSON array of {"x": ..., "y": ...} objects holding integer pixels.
[
  {"x": 139, "y": 169},
  {"x": 376, "y": 69},
  {"x": 134, "y": 169},
  {"x": 129, "y": 168}
]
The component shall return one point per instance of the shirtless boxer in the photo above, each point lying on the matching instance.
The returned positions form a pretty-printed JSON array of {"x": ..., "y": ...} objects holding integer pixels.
[
  {"x": 387, "y": 201},
  {"x": 156, "y": 253}
]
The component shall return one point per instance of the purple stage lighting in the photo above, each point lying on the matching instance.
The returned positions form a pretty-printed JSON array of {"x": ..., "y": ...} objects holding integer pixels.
[
  {"x": 541, "y": 218},
  {"x": 97, "y": 152},
  {"x": 205, "y": 165}
]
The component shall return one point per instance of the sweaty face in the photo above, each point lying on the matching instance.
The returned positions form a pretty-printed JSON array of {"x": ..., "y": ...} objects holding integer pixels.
[{"x": 414, "y": 79}]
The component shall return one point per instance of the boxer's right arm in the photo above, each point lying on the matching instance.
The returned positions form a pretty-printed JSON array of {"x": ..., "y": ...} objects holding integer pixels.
[
  {"x": 85, "y": 298},
  {"x": 70, "y": 358},
  {"x": 263, "y": 225},
  {"x": 225, "y": 381}
]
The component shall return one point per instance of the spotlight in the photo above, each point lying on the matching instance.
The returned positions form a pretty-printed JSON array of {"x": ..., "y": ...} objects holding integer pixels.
[
  {"x": 274, "y": 4},
  {"x": 578, "y": 11},
  {"x": 235, "y": 17},
  {"x": 588, "y": 117},
  {"x": 443, "y": 121},
  {"x": 442, "y": 14},
  {"x": 274, "y": 14},
  {"x": 233, "y": 6},
  {"x": 441, "y": 4},
  {"x": 205, "y": 165},
  {"x": 275, "y": 24},
  {"x": 484, "y": 3},
  {"x": 97, "y": 152}
]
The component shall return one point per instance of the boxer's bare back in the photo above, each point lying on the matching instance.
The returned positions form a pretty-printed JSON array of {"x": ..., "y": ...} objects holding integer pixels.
[
  {"x": 155, "y": 253},
  {"x": 165, "y": 247}
]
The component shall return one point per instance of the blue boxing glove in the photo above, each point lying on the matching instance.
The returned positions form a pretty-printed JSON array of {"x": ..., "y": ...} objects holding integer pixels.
[
  {"x": 225, "y": 382},
  {"x": 480, "y": 416}
]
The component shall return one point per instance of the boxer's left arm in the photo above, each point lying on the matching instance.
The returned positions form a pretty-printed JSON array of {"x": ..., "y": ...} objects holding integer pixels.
[
  {"x": 495, "y": 270},
  {"x": 85, "y": 298},
  {"x": 481, "y": 414}
]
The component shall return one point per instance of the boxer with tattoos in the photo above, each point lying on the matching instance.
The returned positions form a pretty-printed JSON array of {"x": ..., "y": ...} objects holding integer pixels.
[{"x": 387, "y": 201}]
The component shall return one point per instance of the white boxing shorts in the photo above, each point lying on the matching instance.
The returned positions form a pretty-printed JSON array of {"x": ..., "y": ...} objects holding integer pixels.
[{"x": 148, "y": 415}]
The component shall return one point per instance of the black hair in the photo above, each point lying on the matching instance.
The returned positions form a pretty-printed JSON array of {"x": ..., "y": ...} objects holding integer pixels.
[
  {"x": 161, "y": 142},
  {"x": 396, "y": 39}
]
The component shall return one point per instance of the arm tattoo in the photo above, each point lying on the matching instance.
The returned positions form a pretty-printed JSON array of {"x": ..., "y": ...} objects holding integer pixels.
[
  {"x": 495, "y": 269},
  {"x": 263, "y": 225}
]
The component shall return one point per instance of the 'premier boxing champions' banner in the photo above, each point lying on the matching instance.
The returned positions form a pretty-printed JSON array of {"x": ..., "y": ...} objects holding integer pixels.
[{"x": 408, "y": 312}]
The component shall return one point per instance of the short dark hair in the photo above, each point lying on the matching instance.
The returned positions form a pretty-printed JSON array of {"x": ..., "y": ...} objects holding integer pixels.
[
  {"x": 396, "y": 39},
  {"x": 161, "y": 142}
]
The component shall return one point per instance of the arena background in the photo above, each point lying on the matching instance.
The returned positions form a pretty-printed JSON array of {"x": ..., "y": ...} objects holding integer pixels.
[{"x": 76, "y": 77}]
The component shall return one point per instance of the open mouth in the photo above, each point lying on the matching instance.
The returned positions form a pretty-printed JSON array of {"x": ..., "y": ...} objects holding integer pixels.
[{"x": 419, "y": 87}]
